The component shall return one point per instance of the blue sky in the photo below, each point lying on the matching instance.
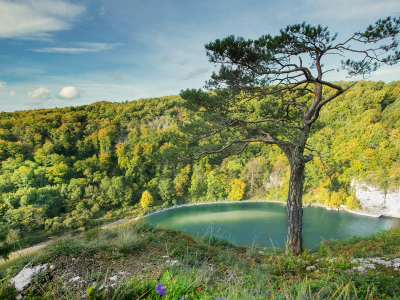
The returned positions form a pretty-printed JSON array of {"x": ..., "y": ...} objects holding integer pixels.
[{"x": 58, "y": 53}]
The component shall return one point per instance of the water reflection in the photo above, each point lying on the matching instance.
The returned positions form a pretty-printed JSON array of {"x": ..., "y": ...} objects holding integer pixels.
[{"x": 264, "y": 224}]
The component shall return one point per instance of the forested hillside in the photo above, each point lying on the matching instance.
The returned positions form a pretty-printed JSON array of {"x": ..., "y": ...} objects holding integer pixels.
[{"x": 64, "y": 168}]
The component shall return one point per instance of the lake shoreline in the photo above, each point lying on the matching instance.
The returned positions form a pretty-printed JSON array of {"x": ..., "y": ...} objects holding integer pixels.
[
  {"x": 203, "y": 203},
  {"x": 27, "y": 250},
  {"x": 362, "y": 213}
]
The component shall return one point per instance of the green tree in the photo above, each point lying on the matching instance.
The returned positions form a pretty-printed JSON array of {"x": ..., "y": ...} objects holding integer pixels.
[
  {"x": 182, "y": 180},
  {"x": 166, "y": 189},
  {"x": 5, "y": 247},
  {"x": 266, "y": 92}
]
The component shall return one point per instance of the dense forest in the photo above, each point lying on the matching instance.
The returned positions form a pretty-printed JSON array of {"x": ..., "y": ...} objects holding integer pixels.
[{"x": 65, "y": 168}]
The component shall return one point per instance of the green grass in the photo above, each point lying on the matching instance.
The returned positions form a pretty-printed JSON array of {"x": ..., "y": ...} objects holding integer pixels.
[
  {"x": 211, "y": 267},
  {"x": 386, "y": 242}
]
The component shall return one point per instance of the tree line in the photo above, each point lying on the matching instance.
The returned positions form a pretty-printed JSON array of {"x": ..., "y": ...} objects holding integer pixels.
[{"x": 64, "y": 168}]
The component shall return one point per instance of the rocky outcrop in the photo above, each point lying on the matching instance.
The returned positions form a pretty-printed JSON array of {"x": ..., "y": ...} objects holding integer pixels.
[{"x": 377, "y": 201}]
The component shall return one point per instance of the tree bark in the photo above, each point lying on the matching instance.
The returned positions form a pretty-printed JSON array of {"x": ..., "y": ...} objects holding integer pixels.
[{"x": 294, "y": 208}]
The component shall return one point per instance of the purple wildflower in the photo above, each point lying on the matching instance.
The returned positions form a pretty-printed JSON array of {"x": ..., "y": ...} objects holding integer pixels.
[
  {"x": 183, "y": 298},
  {"x": 160, "y": 289},
  {"x": 220, "y": 299}
]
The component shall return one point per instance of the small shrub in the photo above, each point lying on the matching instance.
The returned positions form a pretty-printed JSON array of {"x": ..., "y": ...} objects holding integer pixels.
[
  {"x": 92, "y": 234},
  {"x": 127, "y": 241},
  {"x": 7, "y": 292}
]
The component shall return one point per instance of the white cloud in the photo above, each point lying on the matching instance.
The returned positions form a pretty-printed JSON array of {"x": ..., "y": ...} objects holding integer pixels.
[
  {"x": 41, "y": 93},
  {"x": 355, "y": 9},
  {"x": 69, "y": 92},
  {"x": 195, "y": 73},
  {"x": 24, "y": 71},
  {"x": 84, "y": 47},
  {"x": 2, "y": 85},
  {"x": 12, "y": 93},
  {"x": 102, "y": 11},
  {"x": 34, "y": 19}
]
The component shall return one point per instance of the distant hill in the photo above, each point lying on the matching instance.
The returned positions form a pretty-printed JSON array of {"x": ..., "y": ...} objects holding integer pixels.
[{"x": 64, "y": 168}]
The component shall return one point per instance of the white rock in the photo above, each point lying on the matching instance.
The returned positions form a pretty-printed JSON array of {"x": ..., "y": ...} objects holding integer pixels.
[
  {"x": 369, "y": 266},
  {"x": 261, "y": 252},
  {"x": 74, "y": 279},
  {"x": 114, "y": 278},
  {"x": 376, "y": 200},
  {"x": 172, "y": 262},
  {"x": 23, "y": 278},
  {"x": 310, "y": 268},
  {"x": 359, "y": 269},
  {"x": 384, "y": 263}
]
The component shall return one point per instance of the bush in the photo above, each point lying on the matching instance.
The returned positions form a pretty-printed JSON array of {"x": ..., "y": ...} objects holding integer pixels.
[
  {"x": 7, "y": 292},
  {"x": 127, "y": 241}
]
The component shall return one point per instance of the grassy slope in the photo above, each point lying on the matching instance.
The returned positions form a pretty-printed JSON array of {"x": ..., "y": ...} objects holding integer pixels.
[{"x": 131, "y": 259}]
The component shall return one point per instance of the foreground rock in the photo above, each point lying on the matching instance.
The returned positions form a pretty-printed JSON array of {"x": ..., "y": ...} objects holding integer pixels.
[{"x": 23, "y": 279}]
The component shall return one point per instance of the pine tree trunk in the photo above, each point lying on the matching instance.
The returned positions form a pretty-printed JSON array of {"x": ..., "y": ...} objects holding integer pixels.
[{"x": 294, "y": 207}]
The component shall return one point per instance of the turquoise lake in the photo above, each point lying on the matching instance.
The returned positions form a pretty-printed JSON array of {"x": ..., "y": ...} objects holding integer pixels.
[{"x": 264, "y": 224}]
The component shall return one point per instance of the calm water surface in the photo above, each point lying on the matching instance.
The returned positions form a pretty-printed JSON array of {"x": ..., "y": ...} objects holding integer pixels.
[{"x": 264, "y": 224}]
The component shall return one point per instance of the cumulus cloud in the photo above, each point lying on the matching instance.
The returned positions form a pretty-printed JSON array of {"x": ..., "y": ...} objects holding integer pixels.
[
  {"x": 69, "y": 92},
  {"x": 40, "y": 94},
  {"x": 196, "y": 73},
  {"x": 34, "y": 19},
  {"x": 2, "y": 85},
  {"x": 82, "y": 48},
  {"x": 12, "y": 93}
]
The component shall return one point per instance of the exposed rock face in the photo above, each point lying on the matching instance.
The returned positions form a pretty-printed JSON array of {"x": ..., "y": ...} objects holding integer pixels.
[
  {"x": 23, "y": 278},
  {"x": 375, "y": 200}
]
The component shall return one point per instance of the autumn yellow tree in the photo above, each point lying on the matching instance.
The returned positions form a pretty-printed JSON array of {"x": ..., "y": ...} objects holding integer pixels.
[
  {"x": 146, "y": 200},
  {"x": 237, "y": 188}
]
